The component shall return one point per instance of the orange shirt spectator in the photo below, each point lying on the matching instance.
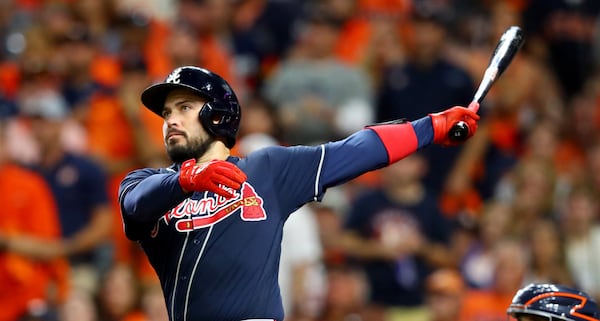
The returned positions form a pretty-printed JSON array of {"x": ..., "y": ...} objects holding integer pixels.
[{"x": 28, "y": 212}]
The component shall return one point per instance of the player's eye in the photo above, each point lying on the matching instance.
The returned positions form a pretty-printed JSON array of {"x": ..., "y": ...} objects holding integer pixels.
[{"x": 165, "y": 113}]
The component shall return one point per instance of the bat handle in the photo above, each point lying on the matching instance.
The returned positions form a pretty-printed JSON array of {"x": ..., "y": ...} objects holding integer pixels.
[{"x": 460, "y": 130}]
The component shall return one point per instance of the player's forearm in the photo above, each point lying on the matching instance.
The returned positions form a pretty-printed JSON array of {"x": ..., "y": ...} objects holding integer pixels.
[
  {"x": 404, "y": 138},
  {"x": 373, "y": 148},
  {"x": 152, "y": 197}
]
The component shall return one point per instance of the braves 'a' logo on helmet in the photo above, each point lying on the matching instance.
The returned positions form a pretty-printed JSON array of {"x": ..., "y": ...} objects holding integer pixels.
[{"x": 174, "y": 77}]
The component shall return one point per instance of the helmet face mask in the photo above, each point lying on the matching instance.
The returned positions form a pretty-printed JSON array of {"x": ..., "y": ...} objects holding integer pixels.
[
  {"x": 220, "y": 116},
  {"x": 554, "y": 302}
]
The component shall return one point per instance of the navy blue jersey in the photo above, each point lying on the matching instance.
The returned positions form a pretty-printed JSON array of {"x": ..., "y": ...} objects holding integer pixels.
[
  {"x": 79, "y": 185},
  {"x": 400, "y": 282},
  {"x": 217, "y": 258}
]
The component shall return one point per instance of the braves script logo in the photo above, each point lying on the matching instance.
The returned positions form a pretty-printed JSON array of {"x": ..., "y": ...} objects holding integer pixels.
[{"x": 194, "y": 214}]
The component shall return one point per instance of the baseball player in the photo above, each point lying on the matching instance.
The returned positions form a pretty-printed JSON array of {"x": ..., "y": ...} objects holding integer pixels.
[
  {"x": 548, "y": 302},
  {"x": 211, "y": 223}
]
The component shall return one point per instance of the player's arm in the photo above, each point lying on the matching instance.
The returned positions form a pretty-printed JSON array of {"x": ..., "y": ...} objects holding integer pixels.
[
  {"x": 402, "y": 138},
  {"x": 307, "y": 171},
  {"x": 382, "y": 144},
  {"x": 146, "y": 195}
]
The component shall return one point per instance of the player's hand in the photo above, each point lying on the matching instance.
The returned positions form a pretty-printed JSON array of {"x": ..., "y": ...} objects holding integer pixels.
[
  {"x": 443, "y": 121},
  {"x": 217, "y": 176}
]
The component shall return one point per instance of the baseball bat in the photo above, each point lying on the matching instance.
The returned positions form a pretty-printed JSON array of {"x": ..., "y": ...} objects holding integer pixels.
[{"x": 510, "y": 42}]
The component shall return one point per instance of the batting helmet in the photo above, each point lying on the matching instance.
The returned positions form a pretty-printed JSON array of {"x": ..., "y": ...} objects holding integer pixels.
[
  {"x": 554, "y": 302},
  {"x": 220, "y": 116}
]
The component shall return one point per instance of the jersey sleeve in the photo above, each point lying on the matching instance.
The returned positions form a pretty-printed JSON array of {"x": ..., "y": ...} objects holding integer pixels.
[
  {"x": 144, "y": 196},
  {"x": 302, "y": 174}
]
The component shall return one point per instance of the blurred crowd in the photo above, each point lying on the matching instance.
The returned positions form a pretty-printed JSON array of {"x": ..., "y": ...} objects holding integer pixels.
[{"x": 447, "y": 234}]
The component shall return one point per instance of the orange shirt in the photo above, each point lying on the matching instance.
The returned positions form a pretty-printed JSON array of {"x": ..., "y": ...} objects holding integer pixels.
[
  {"x": 353, "y": 41},
  {"x": 109, "y": 132},
  {"x": 28, "y": 208},
  {"x": 485, "y": 306}
]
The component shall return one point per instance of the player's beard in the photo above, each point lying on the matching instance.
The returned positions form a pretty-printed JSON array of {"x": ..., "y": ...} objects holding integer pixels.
[{"x": 195, "y": 148}]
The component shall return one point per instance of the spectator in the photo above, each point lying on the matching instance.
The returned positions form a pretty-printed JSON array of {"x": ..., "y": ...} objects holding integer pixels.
[
  {"x": 318, "y": 98},
  {"x": 560, "y": 32},
  {"x": 79, "y": 306},
  {"x": 581, "y": 139},
  {"x": 532, "y": 189},
  {"x": 259, "y": 126},
  {"x": 579, "y": 225},
  {"x": 120, "y": 294},
  {"x": 330, "y": 223},
  {"x": 209, "y": 47},
  {"x": 548, "y": 261},
  {"x": 398, "y": 235},
  {"x": 510, "y": 265},
  {"x": 347, "y": 296},
  {"x": 31, "y": 282},
  {"x": 262, "y": 33},
  {"x": 405, "y": 84},
  {"x": 477, "y": 256},
  {"x": 79, "y": 188},
  {"x": 444, "y": 292}
]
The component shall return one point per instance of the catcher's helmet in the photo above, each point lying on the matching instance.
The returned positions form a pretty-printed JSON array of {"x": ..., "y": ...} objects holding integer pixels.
[
  {"x": 554, "y": 302},
  {"x": 220, "y": 116}
]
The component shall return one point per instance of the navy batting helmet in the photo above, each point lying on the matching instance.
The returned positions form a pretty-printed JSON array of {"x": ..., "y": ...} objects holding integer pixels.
[
  {"x": 220, "y": 116},
  {"x": 554, "y": 302}
]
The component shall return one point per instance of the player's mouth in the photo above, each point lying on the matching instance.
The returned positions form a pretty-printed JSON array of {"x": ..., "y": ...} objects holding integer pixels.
[{"x": 175, "y": 133}]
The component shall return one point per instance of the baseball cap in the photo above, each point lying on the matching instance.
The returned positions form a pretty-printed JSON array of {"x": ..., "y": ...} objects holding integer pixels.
[
  {"x": 46, "y": 104},
  {"x": 445, "y": 281}
]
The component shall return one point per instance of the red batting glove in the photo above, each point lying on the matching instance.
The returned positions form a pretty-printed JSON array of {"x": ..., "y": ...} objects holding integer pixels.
[
  {"x": 443, "y": 121},
  {"x": 216, "y": 176}
]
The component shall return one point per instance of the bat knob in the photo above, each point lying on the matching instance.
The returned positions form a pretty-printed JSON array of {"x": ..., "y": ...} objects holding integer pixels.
[{"x": 459, "y": 132}]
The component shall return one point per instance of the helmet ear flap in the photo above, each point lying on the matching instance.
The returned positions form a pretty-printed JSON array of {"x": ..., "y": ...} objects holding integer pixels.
[{"x": 220, "y": 121}]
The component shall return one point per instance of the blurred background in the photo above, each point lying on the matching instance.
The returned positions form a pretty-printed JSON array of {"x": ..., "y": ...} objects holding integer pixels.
[{"x": 446, "y": 234}]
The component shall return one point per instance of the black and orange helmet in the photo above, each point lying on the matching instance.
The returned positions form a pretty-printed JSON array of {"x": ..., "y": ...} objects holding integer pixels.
[{"x": 555, "y": 302}]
